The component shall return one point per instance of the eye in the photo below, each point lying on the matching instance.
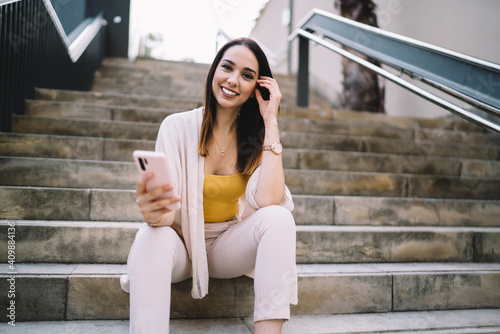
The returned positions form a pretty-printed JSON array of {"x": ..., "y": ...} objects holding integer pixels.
[
  {"x": 248, "y": 76},
  {"x": 226, "y": 67}
]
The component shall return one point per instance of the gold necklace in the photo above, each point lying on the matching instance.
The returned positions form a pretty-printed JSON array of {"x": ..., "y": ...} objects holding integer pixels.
[{"x": 223, "y": 152}]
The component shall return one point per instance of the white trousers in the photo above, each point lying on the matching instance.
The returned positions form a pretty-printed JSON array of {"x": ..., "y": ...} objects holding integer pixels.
[{"x": 264, "y": 242}]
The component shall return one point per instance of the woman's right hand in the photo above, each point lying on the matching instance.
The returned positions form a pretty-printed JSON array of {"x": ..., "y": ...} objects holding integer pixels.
[{"x": 151, "y": 206}]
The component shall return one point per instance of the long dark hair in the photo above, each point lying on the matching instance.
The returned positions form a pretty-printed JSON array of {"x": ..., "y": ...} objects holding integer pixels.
[{"x": 250, "y": 125}]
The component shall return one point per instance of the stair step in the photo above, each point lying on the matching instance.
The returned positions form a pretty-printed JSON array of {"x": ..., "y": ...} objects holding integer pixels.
[
  {"x": 344, "y": 128},
  {"x": 18, "y": 203},
  {"x": 359, "y": 244},
  {"x": 110, "y": 242},
  {"x": 152, "y": 85},
  {"x": 340, "y": 126},
  {"x": 448, "y": 122},
  {"x": 441, "y": 135},
  {"x": 309, "y": 182},
  {"x": 323, "y": 289},
  {"x": 67, "y": 173},
  {"x": 418, "y": 150},
  {"x": 158, "y": 73},
  {"x": 69, "y": 147},
  {"x": 296, "y": 133},
  {"x": 140, "y": 114},
  {"x": 424, "y": 322},
  {"x": 92, "y": 148},
  {"x": 84, "y": 127},
  {"x": 117, "y": 99},
  {"x": 62, "y": 109},
  {"x": 405, "y": 156},
  {"x": 38, "y": 172},
  {"x": 144, "y": 130},
  {"x": 389, "y": 163},
  {"x": 148, "y": 63},
  {"x": 371, "y": 129},
  {"x": 163, "y": 81}
]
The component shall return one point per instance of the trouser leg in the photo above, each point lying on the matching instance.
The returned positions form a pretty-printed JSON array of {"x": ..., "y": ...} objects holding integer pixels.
[
  {"x": 265, "y": 241},
  {"x": 158, "y": 258}
]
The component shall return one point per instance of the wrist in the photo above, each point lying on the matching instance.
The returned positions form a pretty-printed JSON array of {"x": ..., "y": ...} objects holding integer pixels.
[
  {"x": 271, "y": 123},
  {"x": 272, "y": 134},
  {"x": 154, "y": 223}
]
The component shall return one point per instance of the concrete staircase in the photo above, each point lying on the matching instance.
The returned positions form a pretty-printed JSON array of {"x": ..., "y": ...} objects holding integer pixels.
[{"x": 398, "y": 218}]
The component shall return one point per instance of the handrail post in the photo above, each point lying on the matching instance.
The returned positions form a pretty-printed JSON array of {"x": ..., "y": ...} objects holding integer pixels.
[{"x": 303, "y": 73}]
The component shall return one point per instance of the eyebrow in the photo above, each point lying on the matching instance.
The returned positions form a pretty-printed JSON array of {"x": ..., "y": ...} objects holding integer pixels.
[{"x": 245, "y": 68}]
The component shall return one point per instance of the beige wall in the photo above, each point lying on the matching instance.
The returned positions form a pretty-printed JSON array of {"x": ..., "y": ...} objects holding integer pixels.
[{"x": 470, "y": 27}]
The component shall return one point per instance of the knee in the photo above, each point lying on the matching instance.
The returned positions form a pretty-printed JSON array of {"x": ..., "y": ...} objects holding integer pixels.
[
  {"x": 156, "y": 239},
  {"x": 277, "y": 218},
  {"x": 278, "y": 215}
]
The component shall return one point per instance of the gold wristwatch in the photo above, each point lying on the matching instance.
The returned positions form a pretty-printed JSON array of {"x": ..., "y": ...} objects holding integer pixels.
[{"x": 276, "y": 148}]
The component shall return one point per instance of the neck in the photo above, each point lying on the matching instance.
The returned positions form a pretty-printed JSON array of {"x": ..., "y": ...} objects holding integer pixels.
[{"x": 226, "y": 122}]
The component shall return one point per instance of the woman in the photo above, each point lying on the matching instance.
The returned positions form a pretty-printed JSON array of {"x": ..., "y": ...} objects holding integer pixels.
[{"x": 235, "y": 214}]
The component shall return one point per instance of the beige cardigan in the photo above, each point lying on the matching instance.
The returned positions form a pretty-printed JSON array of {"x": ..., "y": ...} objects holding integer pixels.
[{"x": 178, "y": 138}]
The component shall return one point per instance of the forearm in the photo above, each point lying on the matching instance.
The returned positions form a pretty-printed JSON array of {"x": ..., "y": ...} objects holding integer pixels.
[{"x": 271, "y": 183}]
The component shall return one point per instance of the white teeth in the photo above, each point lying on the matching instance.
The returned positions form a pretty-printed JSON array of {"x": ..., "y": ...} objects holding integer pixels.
[{"x": 228, "y": 92}]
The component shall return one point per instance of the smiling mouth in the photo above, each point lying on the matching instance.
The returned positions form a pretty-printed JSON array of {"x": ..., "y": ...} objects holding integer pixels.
[{"x": 228, "y": 92}]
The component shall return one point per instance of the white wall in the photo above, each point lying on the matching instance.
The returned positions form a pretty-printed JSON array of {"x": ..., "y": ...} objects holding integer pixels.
[{"x": 469, "y": 27}]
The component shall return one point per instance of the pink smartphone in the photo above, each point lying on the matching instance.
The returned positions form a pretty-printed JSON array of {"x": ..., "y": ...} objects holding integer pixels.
[{"x": 156, "y": 162}]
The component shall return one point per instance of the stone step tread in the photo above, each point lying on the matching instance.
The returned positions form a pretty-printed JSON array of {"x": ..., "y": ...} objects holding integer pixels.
[
  {"x": 345, "y": 291},
  {"x": 416, "y": 153},
  {"x": 320, "y": 182},
  {"x": 108, "y": 149},
  {"x": 306, "y": 228},
  {"x": 71, "y": 147},
  {"x": 449, "y": 122},
  {"x": 367, "y": 126},
  {"x": 40, "y": 172},
  {"x": 300, "y": 228},
  {"x": 303, "y": 270},
  {"x": 110, "y": 242},
  {"x": 99, "y": 111},
  {"x": 90, "y": 110},
  {"x": 445, "y": 123},
  {"x": 78, "y": 110},
  {"x": 417, "y": 148},
  {"x": 291, "y": 124},
  {"x": 127, "y": 129},
  {"x": 150, "y": 62},
  {"x": 17, "y": 203},
  {"x": 117, "y": 99},
  {"x": 134, "y": 70},
  {"x": 357, "y": 137},
  {"x": 425, "y": 322}
]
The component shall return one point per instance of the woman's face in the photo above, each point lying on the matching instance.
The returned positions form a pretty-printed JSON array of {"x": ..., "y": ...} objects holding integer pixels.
[{"x": 235, "y": 78}]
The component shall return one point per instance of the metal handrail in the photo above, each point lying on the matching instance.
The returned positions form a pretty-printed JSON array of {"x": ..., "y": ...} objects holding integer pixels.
[
  {"x": 6, "y": 2},
  {"x": 36, "y": 52},
  {"x": 400, "y": 55},
  {"x": 76, "y": 47}
]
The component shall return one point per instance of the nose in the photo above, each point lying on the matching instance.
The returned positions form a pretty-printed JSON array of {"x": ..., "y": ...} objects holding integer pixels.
[{"x": 232, "y": 79}]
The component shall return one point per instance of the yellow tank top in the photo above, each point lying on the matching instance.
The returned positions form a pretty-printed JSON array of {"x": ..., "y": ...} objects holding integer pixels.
[{"x": 220, "y": 196}]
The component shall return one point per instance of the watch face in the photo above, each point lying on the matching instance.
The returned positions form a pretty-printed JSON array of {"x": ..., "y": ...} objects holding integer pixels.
[{"x": 278, "y": 148}]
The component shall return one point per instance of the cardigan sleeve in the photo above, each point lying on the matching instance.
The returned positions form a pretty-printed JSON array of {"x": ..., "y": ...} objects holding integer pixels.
[{"x": 167, "y": 142}]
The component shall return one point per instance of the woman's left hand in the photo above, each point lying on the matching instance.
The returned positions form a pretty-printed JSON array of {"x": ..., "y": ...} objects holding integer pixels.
[{"x": 268, "y": 109}]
